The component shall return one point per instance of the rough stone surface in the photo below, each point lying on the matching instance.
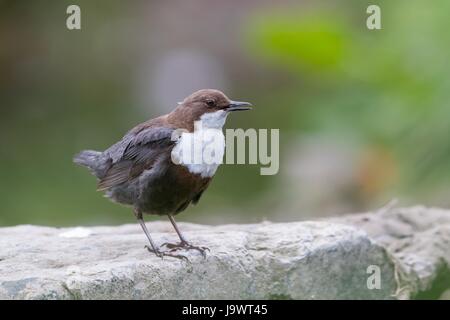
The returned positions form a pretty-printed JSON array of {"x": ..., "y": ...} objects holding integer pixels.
[
  {"x": 301, "y": 260},
  {"x": 418, "y": 241}
]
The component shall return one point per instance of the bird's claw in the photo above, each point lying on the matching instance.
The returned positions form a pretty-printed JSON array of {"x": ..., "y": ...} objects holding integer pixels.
[
  {"x": 186, "y": 246},
  {"x": 162, "y": 254}
]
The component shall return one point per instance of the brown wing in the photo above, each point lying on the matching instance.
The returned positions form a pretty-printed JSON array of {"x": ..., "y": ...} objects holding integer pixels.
[{"x": 135, "y": 154}]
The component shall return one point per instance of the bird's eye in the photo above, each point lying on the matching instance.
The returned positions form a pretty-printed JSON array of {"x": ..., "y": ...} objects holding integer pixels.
[{"x": 210, "y": 103}]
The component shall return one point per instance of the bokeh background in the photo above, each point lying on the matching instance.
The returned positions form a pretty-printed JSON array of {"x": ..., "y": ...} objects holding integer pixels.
[{"x": 364, "y": 116}]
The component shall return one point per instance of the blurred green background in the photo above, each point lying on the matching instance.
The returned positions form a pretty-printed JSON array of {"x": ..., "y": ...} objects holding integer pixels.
[{"x": 363, "y": 115}]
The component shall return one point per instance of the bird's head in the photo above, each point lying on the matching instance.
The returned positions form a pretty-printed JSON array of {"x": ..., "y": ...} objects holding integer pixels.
[{"x": 210, "y": 106}]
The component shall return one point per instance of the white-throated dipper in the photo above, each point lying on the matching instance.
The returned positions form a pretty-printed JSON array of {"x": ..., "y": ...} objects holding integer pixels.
[{"x": 140, "y": 170}]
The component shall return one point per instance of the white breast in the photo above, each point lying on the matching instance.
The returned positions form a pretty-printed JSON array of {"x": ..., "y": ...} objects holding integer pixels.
[{"x": 201, "y": 151}]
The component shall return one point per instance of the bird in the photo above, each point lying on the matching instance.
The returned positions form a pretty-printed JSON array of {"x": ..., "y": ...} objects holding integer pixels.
[{"x": 148, "y": 168}]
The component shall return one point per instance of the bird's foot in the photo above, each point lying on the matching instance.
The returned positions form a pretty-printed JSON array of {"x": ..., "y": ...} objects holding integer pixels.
[
  {"x": 163, "y": 254},
  {"x": 186, "y": 246}
]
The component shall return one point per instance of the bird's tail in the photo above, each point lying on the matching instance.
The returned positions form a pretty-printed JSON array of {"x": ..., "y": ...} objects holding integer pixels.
[{"x": 90, "y": 159}]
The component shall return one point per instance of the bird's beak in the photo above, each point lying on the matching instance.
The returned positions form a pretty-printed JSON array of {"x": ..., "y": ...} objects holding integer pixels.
[{"x": 239, "y": 106}]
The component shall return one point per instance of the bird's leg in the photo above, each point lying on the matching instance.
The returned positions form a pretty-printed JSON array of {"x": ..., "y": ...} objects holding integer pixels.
[
  {"x": 153, "y": 248},
  {"x": 183, "y": 244}
]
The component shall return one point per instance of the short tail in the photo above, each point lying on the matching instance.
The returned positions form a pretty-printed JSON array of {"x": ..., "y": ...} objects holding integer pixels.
[{"x": 90, "y": 159}]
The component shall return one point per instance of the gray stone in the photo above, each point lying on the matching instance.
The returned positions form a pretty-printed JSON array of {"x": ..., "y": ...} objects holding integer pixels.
[
  {"x": 418, "y": 241},
  {"x": 301, "y": 260}
]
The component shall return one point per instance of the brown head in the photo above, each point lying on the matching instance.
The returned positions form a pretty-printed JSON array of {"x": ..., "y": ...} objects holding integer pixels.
[{"x": 209, "y": 105}]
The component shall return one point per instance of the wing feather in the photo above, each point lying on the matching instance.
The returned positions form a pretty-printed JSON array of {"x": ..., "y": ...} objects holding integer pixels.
[{"x": 135, "y": 153}]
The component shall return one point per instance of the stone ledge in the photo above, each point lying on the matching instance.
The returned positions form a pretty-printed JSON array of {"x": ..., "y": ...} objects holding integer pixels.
[{"x": 300, "y": 260}]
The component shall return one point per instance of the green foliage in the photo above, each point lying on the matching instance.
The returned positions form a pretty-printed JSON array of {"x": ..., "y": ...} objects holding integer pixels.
[
  {"x": 385, "y": 88},
  {"x": 316, "y": 42}
]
